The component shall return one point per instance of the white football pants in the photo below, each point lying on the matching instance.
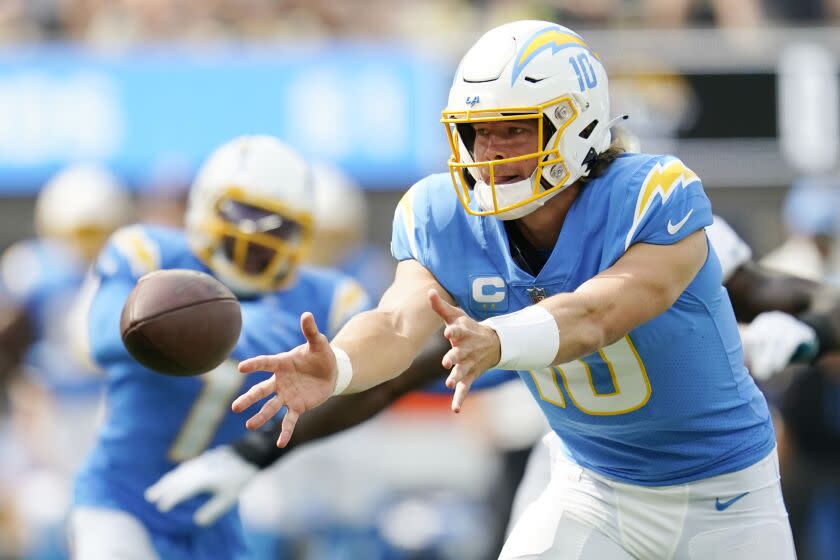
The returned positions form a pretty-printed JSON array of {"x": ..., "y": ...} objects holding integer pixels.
[
  {"x": 581, "y": 515},
  {"x": 108, "y": 534}
]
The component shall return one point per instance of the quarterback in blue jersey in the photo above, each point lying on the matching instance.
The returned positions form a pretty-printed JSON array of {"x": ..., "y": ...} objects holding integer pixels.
[
  {"x": 249, "y": 221},
  {"x": 588, "y": 272}
]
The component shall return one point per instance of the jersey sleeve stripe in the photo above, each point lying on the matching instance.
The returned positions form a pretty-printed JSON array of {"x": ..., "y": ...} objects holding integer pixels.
[{"x": 138, "y": 249}]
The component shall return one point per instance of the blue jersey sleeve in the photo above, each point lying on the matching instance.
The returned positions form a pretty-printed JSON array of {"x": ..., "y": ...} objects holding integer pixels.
[
  {"x": 665, "y": 204},
  {"x": 407, "y": 238},
  {"x": 104, "y": 344},
  {"x": 130, "y": 253}
]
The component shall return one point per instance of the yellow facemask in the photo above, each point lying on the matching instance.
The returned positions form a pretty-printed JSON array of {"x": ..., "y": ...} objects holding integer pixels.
[
  {"x": 262, "y": 240},
  {"x": 458, "y": 124}
]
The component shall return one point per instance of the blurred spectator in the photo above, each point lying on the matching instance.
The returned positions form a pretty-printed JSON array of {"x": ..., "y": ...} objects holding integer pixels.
[
  {"x": 115, "y": 23},
  {"x": 811, "y": 215},
  {"x": 805, "y": 11},
  {"x": 723, "y": 13}
]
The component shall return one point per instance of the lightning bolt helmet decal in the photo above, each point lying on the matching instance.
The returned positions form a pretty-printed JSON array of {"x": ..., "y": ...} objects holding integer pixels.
[{"x": 555, "y": 37}]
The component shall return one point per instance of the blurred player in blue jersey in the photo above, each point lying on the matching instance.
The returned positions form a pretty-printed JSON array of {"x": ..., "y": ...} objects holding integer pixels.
[
  {"x": 40, "y": 277},
  {"x": 587, "y": 271},
  {"x": 341, "y": 222},
  {"x": 248, "y": 222},
  {"x": 75, "y": 213}
]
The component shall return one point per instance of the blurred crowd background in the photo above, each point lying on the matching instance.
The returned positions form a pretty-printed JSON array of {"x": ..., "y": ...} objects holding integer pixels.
[{"x": 745, "y": 92}]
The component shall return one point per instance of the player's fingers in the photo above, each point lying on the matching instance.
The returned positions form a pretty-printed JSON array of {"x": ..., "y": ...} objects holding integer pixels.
[
  {"x": 453, "y": 332},
  {"x": 256, "y": 393},
  {"x": 452, "y": 357},
  {"x": 446, "y": 311},
  {"x": 310, "y": 330},
  {"x": 157, "y": 490},
  {"x": 288, "y": 427},
  {"x": 265, "y": 414},
  {"x": 461, "y": 391},
  {"x": 213, "y": 509},
  {"x": 170, "y": 491},
  {"x": 457, "y": 374},
  {"x": 258, "y": 363}
]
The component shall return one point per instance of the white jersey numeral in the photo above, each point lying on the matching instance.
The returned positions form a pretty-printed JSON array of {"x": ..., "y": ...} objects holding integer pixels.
[
  {"x": 629, "y": 378},
  {"x": 220, "y": 387}
]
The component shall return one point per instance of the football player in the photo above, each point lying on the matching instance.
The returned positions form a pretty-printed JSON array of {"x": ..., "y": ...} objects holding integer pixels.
[
  {"x": 248, "y": 223},
  {"x": 588, "y": 271},
  {"x": 792, "y": 315},
  {"x": 75, "y": 213},
  {"x": 341, "y": 221},
  {"x": 40, "y": 370},
  {"x": 790, "y": 319}
]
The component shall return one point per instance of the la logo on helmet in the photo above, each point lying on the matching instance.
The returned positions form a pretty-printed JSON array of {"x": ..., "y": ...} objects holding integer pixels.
[{"x": 473, "y": 101}]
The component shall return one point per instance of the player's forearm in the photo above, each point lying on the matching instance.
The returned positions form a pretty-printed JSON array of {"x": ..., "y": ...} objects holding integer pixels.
[
  {"x": 345, "y": 411},
  {"x": 583, "y": 323},
  {"x": 380, "y": 346},
  {"x": 640, "y": 286},
  {"x": 754, "y": 289},
  {"x": 336, "y": 415}
]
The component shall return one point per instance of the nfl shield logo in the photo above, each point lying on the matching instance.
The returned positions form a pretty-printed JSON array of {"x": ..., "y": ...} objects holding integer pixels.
[{"x": 537, "y": 294}]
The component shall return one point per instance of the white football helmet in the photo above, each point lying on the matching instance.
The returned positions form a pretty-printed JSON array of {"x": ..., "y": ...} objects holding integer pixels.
[
  {"x": 340, "y": 215},
  {"x": 82, "y": 205},
  {"x": 534, "y": 70},
  {"x": 250, "y": 213}
]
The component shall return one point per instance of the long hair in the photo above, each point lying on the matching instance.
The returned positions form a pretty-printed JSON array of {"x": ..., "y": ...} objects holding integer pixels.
[{"x": 623, "y": 141}]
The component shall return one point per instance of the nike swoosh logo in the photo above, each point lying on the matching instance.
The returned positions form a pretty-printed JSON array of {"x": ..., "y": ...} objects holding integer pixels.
[
  {"x": 674, "y": 228},
  {"x": 720, "y": 506}
]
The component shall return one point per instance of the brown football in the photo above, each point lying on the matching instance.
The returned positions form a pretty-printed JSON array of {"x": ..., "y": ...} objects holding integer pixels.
[{"x": 180, "y": 322}]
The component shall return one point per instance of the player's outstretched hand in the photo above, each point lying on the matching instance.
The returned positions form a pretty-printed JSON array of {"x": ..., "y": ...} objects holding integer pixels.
[
  {"x": 475, "y": 348},
  {"x": 304, "y": 377}
]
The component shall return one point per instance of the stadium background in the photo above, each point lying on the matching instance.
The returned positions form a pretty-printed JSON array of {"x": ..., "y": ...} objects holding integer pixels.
[{"x": 745, "y": 92}]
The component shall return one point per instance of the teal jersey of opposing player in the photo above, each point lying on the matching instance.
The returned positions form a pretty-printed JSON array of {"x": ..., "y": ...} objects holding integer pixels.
[
  {"x": 155, "y": 421},
  {"x": 671, "y": 402}
]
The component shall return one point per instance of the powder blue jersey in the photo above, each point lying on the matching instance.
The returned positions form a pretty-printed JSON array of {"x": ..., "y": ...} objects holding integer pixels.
[
  {"x": 669, "y": 403},
  {"x": 155, "y": 421},
  {"x": 43, "y": 277}
]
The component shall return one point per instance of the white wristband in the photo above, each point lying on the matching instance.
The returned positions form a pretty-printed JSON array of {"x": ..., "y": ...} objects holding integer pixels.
[
  {"x": 529, "y": 338},
  {"x": 345, "y": 370}
]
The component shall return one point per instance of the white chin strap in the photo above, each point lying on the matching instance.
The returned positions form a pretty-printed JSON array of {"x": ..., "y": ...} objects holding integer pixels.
[{"x": 508, "y": 194}]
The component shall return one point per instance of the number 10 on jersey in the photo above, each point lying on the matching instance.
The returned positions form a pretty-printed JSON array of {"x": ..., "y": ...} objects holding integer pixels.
[{"x": 631, "y": 386}]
